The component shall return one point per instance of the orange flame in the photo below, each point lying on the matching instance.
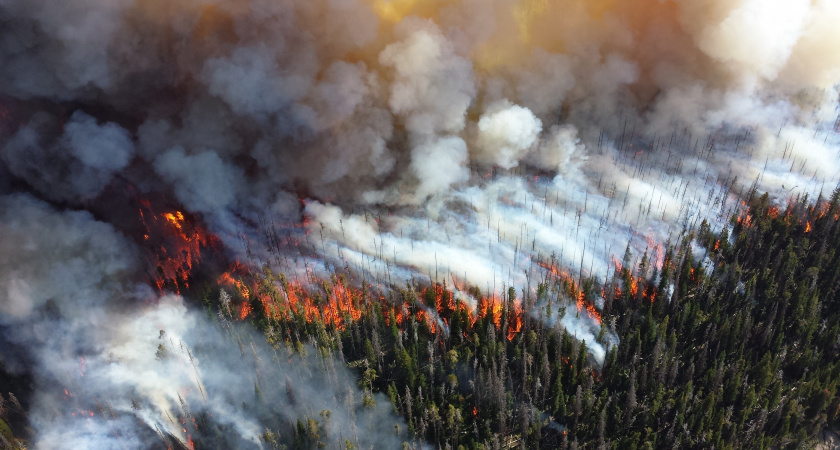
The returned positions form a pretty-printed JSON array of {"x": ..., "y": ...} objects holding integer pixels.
[
  {"x": 337, "y": 304},
  {"x": 515, "y": 324},
  {"x": 745, "y": 220},
  {"x": 244, "y": 310},
  {"x": 176, "y": 219},
  {"x": 634, "y": 287},
  {"x": 341, "y": 302},
  {"x": 581, "y": 302},
  {"x": 177, "y": 243}
]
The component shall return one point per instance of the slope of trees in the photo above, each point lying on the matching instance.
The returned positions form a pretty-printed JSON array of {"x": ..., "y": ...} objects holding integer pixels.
[{"x": 732, "y": 342}]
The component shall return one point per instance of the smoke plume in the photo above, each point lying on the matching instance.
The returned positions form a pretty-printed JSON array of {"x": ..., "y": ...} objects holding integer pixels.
[{"x": 490, "y": 144}]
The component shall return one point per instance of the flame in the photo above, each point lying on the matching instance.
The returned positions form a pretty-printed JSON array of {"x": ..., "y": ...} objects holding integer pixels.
[
  {"x": 515, "y": 323},
  {"x": 294, "y": 299},
  {"x": 244, "y": 310},
  {"x": 337, "y": 303},
  {"x": 634, "y": 287},
  {"x": 492, "y": 307},
  {"x": 824, "y": 209},
  {"x": 235, "y": 283},
  {"x": 657, "y": 255},
  {"x": 617, "y": 264},
  {"x": 745, "y": 220},
  {"x": 581, "y": 302},
  {"x": 176, "y": 219},
  {"x": 177, "y": 243},
  {"x": 808, "y": 227},
  {"x": 423, "y": 316}
]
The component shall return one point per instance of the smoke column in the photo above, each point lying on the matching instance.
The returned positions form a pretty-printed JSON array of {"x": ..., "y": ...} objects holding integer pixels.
[{"x": 483, "y": 143}]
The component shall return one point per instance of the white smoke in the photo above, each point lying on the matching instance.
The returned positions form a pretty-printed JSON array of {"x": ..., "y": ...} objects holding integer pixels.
[
  {"x": 97, "y": 342},
  {"x": 69, "y": 260},
  {"x": 432, "y": 86},
  {"x": 505, "y": 133},
  {"x": 488, "y": 139}
]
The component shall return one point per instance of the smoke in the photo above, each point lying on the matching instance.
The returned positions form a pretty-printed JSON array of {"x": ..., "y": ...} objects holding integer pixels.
[
  {"x": 88, "y": 155},
  {"x": 438, "y": 165},
  {"x": 202, "y": 182},
  {"x": 505, "y": 132},
  {"x": 67, "y": 262},
  {"x": 491, "y": 143},
  {"x": 432, "y": 87},
  {"x": 773, "y": 31},
  {"x": 111, "y": 357}
]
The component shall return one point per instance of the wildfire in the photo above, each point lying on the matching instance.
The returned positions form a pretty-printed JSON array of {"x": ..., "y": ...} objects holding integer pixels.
[
  {"x": 566, "y": 361},
  {"x": 244, "y": 310},
  {"x": 176, "y": 242},
  {"x": 581, "y": 301},
  {"x": 176, "y": 219},
  {"x": 807, "y": 227},
  {"x": 745, "y": 220},
  {"x": 236, "y": 283},
  {"x": 337, "y": 303},
  {"x": 430, "y": 322},
  {"x": 293, "y": 299},
  {"x": 515, "y": 324},
  {"x": 492, "y": 307},
  {"x": 617, "y": 264},
  {"x": 657, "y": 255}
]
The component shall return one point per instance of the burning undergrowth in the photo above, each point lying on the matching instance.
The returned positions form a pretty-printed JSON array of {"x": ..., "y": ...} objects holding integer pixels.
[
  {"x": 175, "y": 246},
  {"x": 444, "y": 165},
  {"x": 123, "y": 369}
]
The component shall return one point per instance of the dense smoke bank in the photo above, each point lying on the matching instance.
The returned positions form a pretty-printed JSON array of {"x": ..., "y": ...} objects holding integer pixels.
[{"x": 484, "y": 143}]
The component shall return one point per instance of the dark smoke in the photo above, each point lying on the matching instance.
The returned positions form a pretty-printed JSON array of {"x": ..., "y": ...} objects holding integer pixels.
[{"x": 434, "y": 141}]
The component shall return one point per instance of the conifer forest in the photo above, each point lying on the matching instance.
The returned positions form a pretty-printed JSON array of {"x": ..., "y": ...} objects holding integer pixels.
[{"x": 419, "y": 224}]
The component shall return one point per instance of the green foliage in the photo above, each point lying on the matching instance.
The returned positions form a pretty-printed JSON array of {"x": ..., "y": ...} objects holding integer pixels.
[
  {"x": 6, "y": 433},
  {"x": 739, "y": 351}
]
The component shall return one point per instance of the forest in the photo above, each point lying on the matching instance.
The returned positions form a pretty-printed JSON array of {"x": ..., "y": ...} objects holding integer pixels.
[{"x": 732, "y": 343}]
